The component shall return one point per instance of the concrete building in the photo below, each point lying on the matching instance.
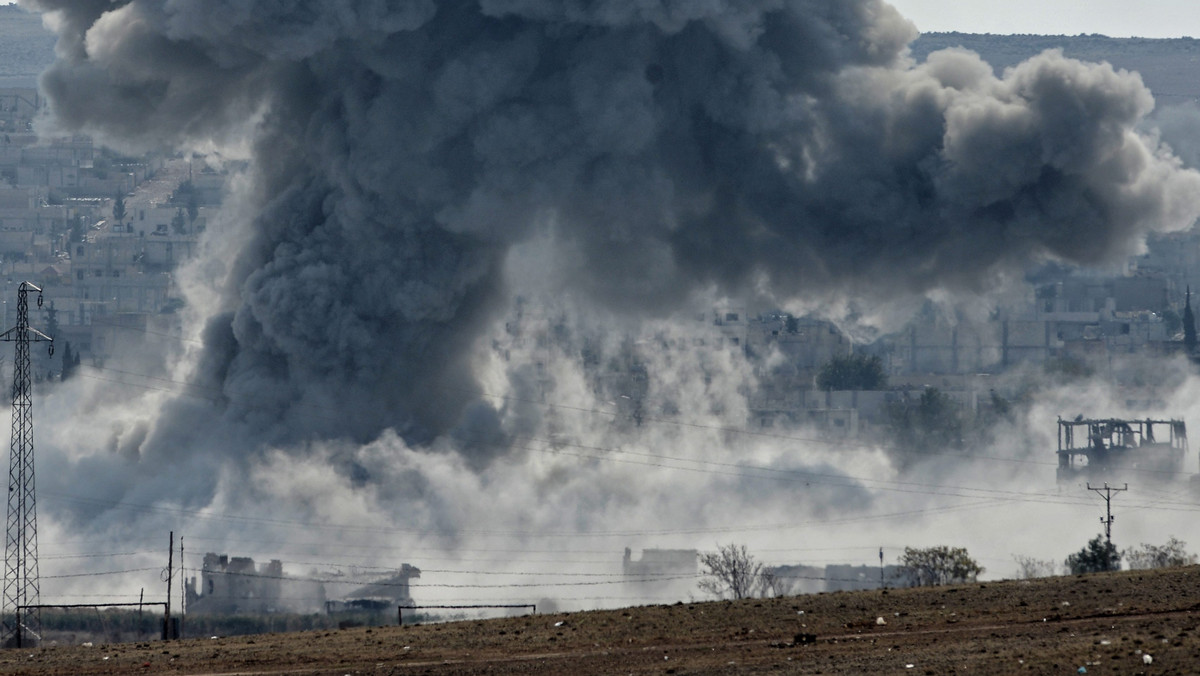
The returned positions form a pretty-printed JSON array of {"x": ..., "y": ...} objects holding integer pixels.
[
  {"x": 383, "y": 595},
  {"x": 857, "y": 578},
  {"x": 18, "y": 105},
  {"x": 660, "y": 563},
  {"x": 661, "y": 575},
  {"x": 805, "y": 344},
  {"x": 799, "y": 579},
  {"x": 235, "y": 586}
]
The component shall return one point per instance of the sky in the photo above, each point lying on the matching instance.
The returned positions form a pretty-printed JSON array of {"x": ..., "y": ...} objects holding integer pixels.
[{"x": 1152, "y": 19}]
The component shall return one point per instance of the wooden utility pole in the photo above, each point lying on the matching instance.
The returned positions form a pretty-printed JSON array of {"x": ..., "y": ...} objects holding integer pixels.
[
  {"x": 182, "y": 588},
  {"x": 170, "y": 570},
  {"x": 881, "y": 583},
  {"x": 1108, "y": 516}
]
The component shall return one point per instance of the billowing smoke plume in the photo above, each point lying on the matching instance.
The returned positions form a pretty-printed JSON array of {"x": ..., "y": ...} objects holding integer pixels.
[{"x": 774, "y": 150}]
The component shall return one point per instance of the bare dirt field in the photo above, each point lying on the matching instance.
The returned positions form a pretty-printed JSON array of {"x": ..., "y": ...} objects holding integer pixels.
[{"x": 1120, "y": 623}]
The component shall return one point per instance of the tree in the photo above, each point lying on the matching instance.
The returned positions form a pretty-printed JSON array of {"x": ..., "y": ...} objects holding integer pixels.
[
  {"x": 773, "y": 585},
  {"x": 932, "y": 424},
  {"x": 51, "y": 320},
  {"x": 1098, "y": 556},
  {"x": 70, "y": 361},
  {"x": 178, "y": 222},
  {"x": 1172, "y": 322},
  {"x": 78, "y": 229},
  {"x": 1029, "y": 568},
  {"x": 853, "y": 372},
  {"x": 935, "y": 566},
  {"x": 51, "y": 328},
  {"x": 1171, "y": 555},
  {"x": 193, "y": 207},
  {"x": 119, "y": 207},
  {"x": 1001, "y": 408},
  {"x": 1068, "y": 369},
  {"x": 996, "y": 412},
  {"x": 731, "y": 571}
]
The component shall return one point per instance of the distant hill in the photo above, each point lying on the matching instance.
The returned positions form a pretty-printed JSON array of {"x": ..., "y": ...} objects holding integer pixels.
[
  {"x": 26, "y": 47},
  {"x": 1170, "y": 68}
]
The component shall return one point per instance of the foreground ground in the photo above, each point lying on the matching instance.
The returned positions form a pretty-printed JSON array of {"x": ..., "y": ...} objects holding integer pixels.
[{"x": 1107, "y": 624}]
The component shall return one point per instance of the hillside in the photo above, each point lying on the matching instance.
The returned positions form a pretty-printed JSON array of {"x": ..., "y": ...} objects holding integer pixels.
[
  {"x": 1106, "y": 624},
  {"x": 1170, "y": 68},
  {"x": 26, "y": 47}
]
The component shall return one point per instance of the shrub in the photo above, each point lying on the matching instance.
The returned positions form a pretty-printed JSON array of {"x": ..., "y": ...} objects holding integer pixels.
[
  {"x": 934, "y": 566},
  {"x": 1098, "y": 556}
]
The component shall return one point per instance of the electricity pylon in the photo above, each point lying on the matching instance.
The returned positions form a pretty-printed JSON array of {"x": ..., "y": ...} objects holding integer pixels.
[{"x": 20, "y": 545}]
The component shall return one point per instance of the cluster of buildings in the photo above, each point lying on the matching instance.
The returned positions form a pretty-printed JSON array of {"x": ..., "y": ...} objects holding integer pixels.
[
  {"x": 1069, "y": 322},
  {"x": 674, "y": 571},
  {"x": 237, "y": 586},
  {"x": 99, "y": 233}
]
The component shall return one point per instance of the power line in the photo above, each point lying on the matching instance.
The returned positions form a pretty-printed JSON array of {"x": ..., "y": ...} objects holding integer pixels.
[
  {"x": 348, "y": 528},
  {"x": 96, "y": 555},
  {"x": 435, "y": 585},
  {"x": 100, "y": 573},
  {"x": 379, "y": 570},
  {"x": 774, "y": 473},
  {"x": 965, "y": 492}
]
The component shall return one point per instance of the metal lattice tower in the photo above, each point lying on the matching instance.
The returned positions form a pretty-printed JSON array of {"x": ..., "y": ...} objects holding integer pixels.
[{"x": 20, "y": 545}]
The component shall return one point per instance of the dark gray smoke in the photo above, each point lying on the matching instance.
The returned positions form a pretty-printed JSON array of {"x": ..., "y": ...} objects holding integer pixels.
[{"x": 780, "y": 149}]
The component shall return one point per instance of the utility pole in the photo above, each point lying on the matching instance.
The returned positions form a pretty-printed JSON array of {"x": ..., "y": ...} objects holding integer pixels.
[
  {"x": 170, "y": 570},
  {"x": 881, "y": 584},
  {"x": 1108, "y": 517},
  {"x": 21, "y": 583},
  {"x": 182, "y": 588}
]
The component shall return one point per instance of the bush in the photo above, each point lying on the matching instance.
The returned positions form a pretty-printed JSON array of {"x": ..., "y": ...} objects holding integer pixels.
[
  {"x": 854, "y": 372},
  {"x": 935, "y": 566},
  {"x": 930, "y": 425},
  {"x": 1098, "y": 556},
  {"x": 1029, "y": 568},
  {"x": 1170, "y": 555}
]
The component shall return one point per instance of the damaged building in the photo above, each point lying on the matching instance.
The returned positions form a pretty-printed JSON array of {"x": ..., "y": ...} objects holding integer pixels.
[
  {"x": 661, "y": 575},
  {"x": 236, "y": 586},
  {"x": 658, "y": 563},
  {"x": 1112, "y": 449},
  {"x": 379, "y": 596}
]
